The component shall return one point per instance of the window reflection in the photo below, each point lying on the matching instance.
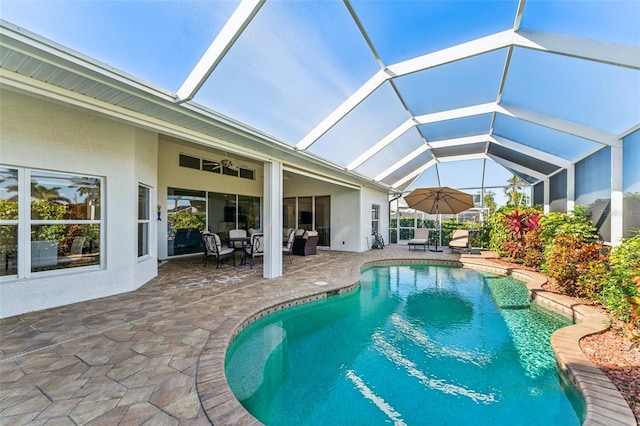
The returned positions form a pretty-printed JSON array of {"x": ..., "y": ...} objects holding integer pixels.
[
  {"x": 186, "y": 219},
  {"x": 61, "y": 246},
  {"x": 8, "y": 221},
  {"x": 64, "y": 197},
  {"x": 8, "y": 249},
  {"x": 64, "y": 226}
]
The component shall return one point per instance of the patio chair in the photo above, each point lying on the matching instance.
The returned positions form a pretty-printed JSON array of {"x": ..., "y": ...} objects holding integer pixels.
[
  {"x": 420, "y": 238},
  {"x": 213, "y": 247},
  {"x": 288, "y": 246},
  {"x": 255, "y": 249},
  {"x": 460, "y": 241},
  {"x": 285, "y": 235},
  {"x": 238, "y": 244}
]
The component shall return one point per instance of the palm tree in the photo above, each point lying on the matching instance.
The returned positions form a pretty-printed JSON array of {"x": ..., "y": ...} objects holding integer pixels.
[
  {"x": 515, "y": 191},
  {"x": 41, "y": 192},
  {"x": 7, "y": 176}
]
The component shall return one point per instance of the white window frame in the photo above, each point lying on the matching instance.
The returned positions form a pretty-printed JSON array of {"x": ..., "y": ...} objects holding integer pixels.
[
  {"x": 143, "y": 221},
  {"x": 375, "y": 218},
  {"x": 25, "y": 224}
]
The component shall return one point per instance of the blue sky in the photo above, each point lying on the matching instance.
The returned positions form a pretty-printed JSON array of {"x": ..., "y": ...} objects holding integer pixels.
[{"x": 299, "y": 60}]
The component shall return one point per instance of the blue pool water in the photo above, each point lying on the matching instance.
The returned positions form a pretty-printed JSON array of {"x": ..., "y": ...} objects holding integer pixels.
[{"x": 414, "y": 345}]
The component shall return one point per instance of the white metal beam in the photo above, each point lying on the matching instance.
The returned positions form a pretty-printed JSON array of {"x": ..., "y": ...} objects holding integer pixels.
[
  {"x": 517, "y": 167},
  {"x": 415, "y": 173},
  {"x": 463, "y": 157},
  {"x": 559, "y": 124},
  {"x": 546, "y": 195},
  {"x": 617, "y": 197},
  {"x": 352, "y": 101},
  {"x": 452, "y": 114},
  {"x": 541, "y": 119},
  {"x": 401, "y": 163},
  {"x": 571, "y": 188},
  {"x": 228, "y": 35},
  {"x": 395, "y": 134},
  {"x": 467, "y": 140},
  {"x": 593, "y": 50},
  {"x": 532, "y": 152},
  {"x": 455, "y": 53},
  {"x": 519, "y": 13}
]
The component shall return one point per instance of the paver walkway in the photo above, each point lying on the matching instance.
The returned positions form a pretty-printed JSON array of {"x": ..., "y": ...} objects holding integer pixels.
[{"x": 145, "y": 357}]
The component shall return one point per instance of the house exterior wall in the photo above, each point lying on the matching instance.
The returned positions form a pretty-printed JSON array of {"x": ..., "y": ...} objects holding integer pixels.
[
  {"x": 44, "y": 135},
  {"x": 370, "y": 197},
  {"x": 349, "y": 231}
]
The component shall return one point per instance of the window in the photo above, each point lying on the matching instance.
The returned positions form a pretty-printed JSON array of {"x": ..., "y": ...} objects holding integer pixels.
[
  {"x": 225, "y": 167},
  {"x": 143, "y": 221},
  {"x": 247, "y": 174},
  {"x": 61, "y": 217},
  {"x": 190, "y": 162},
  {"x": 310, "y": 213},
  {"x": 375, "y": 218},
  {"x": 186, "y": 219},
  {"x": 8, "y": 221},
  {"x": 230, "y": 171},
  {"x": 211, "y": 166}
]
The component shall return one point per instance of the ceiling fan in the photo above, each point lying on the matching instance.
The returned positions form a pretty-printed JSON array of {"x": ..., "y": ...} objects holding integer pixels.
[{"x": 228, "y": 164}]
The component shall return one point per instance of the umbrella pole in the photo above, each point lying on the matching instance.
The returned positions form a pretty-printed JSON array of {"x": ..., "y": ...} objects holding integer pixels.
[{"x": 439, "y": 227}]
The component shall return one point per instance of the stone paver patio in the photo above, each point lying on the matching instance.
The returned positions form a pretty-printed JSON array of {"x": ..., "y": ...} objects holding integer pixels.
[{"x": 156, "y": 355}]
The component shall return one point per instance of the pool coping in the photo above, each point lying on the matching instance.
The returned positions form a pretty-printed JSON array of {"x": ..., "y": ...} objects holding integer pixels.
[{"x": 604, "y": 403}]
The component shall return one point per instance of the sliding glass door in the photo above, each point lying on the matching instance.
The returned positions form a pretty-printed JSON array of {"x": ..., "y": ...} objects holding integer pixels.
[
  {"x": 323, "y": 220},
  {"x": 309, "y": 213},
  {"x": 191, "y": 212}
]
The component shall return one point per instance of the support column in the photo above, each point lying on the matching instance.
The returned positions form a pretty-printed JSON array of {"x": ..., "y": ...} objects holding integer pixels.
[
  {"x": 546, "y": 195},
  {"x": 571, "y": 188},
  {"x": 272, "y": 220},
  {"x": 617, "y": 207}
]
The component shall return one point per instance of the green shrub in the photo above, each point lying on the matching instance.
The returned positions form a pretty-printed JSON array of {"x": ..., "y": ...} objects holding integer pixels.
[
  {"x": 498, "y": 232},
  {"x": 187, "y": 220},
  {"x": 533, "y": 249},
  {"x": 509, "y": 227},
  {"x": 575, "y": 223},
  {"x": 621, "y": 285},
  {"x": 575, "y": 265}
]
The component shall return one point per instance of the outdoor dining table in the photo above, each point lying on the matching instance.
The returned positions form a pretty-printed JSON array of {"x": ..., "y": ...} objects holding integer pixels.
[{"x": 244, "y": 240}]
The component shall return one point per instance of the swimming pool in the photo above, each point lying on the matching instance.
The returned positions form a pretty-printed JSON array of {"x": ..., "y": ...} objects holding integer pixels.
[{"x": 415, "y": 344}]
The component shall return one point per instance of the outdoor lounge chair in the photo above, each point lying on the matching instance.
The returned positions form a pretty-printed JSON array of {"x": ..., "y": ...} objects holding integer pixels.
[
  {"x": 460, "y": 241},
  {"x": 420, "y": 238},
  {"x": 213, "y": 247}
]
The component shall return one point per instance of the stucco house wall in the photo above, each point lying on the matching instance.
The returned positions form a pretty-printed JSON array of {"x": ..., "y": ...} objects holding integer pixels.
[{"x": 39, "y": 134}]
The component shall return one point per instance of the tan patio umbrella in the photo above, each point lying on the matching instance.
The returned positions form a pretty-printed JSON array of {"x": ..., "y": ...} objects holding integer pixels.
[{"x": 439, "y": 200}]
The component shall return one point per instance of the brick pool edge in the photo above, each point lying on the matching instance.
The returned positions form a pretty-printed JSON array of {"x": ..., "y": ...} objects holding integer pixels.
[{"x": 604, "y": 403}]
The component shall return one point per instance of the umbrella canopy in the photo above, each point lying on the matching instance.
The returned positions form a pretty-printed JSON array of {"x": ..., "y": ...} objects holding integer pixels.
[{"x": 439, "y": 200}]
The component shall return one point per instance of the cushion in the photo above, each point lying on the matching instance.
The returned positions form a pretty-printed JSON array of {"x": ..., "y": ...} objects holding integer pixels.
[{"x": 308, "y": 234}]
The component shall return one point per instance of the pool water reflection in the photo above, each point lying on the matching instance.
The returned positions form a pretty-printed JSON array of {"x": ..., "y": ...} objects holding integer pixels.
[{"x": 415, "y": 344}]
